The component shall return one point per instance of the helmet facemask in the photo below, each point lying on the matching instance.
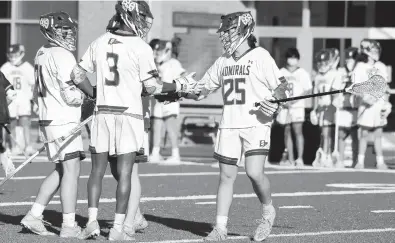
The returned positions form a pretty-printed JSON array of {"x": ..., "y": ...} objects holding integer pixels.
[
  {"x": 15, "y": 54},
  {"x": 136, "y": 15},
  {"x": 234, "y": 30},
  {"x": 371, "y": 48},
  {"x": 60, "y": 29},
  {"x": 163, "y": 51}
]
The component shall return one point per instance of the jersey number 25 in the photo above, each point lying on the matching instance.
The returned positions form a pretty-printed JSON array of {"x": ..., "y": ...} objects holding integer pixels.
[{"x": 233, "y": 86}]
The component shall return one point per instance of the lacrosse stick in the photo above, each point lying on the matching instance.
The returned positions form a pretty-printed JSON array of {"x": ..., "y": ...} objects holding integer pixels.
[
  {"x": 319, "y": 155},
  {"x": 335, "y": 154},
  {"x": 375, "y": 86},
  {"x": 58, "y": 140},
  {"x": 14, "y": 140}
]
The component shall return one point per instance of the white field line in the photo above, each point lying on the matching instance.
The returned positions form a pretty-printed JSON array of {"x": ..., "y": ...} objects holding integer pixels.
[
  {"x": 383, "y": 211},
  {"x": 213, "y": 197},
  {"x": 205, "y": 203},
  {"x": 304, "y": 234},
  {"x": 295, "y": 207}
]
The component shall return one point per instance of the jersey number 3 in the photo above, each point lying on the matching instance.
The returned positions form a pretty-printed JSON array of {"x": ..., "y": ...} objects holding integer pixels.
[
  {"x": 38, "y": 73},
  {"x": 112, "y": 61},
  {"x": 234, "y": 85}
]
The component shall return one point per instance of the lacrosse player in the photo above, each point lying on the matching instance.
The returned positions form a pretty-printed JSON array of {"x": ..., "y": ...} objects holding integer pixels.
[
  {"x": 247, "y": 74},
  {"x": 59, "y": 104},
  {"x": 293, "y": 114},
  {"x": 7, "y": 95},
  {"x": 323, "y": 114},
  {"x": 347, "y": 117},
  {"x": 124, "y": 65},
  {"x": 21, "y": 74},
  {"x": 165, "y": 114},
  {"x": 372, "y": 113}
]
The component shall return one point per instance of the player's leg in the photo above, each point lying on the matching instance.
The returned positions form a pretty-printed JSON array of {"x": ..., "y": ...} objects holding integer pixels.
[
  {"x": 15, "y": 150},
  {"x": 354, "y": 145},
  {"x": 289, "y": 144},
  {"x": 5, "y": 158},
  {"x": 342, "y": 145},
  {"x": 158, "y": 125},
  {"x": 26, "y": 124},
  {"x": 377, "y": 135},
  {"x": 256, "y": 144},
  {"x": 298, "y": 129},
  {"x": 227, "y": 152},
  {"x": 362, "y": 145},
  {"x": 288, "y": 154},
  {"x": 327, "y": 146},
  {"x": 173, "y": 130}
]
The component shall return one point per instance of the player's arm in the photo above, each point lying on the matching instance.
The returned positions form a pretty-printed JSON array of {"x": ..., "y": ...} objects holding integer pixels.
[
  {"x": 210, "y": 82},
  {"x": 9, "y": 89},
  {"x": 80, "y": 70},
  {"x": 71, "y": 95}
]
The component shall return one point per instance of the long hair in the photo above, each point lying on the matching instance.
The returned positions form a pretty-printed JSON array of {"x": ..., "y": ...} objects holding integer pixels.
[
  {"x": 175, "y": 42},
  {"x": 252, "y": 41}
]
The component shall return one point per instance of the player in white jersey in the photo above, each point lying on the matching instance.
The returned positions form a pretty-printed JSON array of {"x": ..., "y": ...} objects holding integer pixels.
[
  {"x": 165, "y": 114},
  {"x": 347, "y": 109},
  {"x": 21, "y": 74},
  {"x": 323, "y": 114},
  {"x": 372, "y": 113},
  {"x": 246, "y": 74},
  {"x": 293, "y": 114},
  {"x": 124, "y": 65},
  {"x": 7, "y": 95},
  {"x": 59, "y": 104}
]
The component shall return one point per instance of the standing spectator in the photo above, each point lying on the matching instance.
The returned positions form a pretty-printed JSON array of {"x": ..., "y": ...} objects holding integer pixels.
[{"x": 165, "y": 114}]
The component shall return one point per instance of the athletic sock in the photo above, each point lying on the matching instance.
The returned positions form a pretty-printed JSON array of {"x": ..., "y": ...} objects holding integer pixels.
[
  {"x": 361, "y": 159},
  {"x": 155, "y": 150},
  {"x": 37, "y": 210},
  {"x": 118, "y": 221},
  {"x": 92, "y": 213},
  {"x": 175, "y": 152},
  {"x": 222, "y": 222},
  {"x": 380, "y": 160},
  {"x": 69, "y": 219}
]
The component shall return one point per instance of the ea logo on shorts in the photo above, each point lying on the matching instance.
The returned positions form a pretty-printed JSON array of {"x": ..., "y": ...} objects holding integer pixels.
[{"x": 262, "y": 143}]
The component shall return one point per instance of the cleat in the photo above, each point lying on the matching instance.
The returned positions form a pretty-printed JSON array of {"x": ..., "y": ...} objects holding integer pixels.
[
  {"x": 155, "y": 158},
  {"x": 299, "y": 163},
  {"x": 90, "y": 231},
  {"x": 265, "y": 224},
  {"x": 382, "y": 166},
  {"x": 116, "y": 235},
  {"x": 359, "y": 166},
  {"x": 287, "y": 163},
  {"x": 35, "y": 225},
  {"x": 173, "y": 160},
  {"x": 6, "y": 163},
  {"x": 140, "y": 224},
  {"x": 70, "y": 232},
  {"x": 216, "y": 234}
]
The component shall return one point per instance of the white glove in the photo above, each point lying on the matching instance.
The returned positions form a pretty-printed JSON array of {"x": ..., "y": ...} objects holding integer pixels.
[
  {"x": 35, "y": 108},
  {"x": 186, "y": 83},
  {"x": 386, "y": 110},
  {"x": 11, "y": 95},
  {"x": 313, "y": 118},
  {"x": 72, "y": 95},
  {"x": 268, "y": 108},
  {"x": 338, "y": 101}
]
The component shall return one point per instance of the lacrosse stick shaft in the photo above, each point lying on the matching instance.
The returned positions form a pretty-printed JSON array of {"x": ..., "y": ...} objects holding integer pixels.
[
  {"x": 60, "y": 140},
  {"x": 306, "y": 96},
  {"x": 13, "y": 139}
]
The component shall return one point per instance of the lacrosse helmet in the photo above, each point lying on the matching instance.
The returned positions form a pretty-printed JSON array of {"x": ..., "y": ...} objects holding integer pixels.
[
  {"x": 322, "y": 60},
  {"x": 163, "y": 51},
  {"x": 351, "y": 57},
  {"x": 136, "y": 15},
  {"x": 371, "y": 48},
  {"x": 234, "y": 29},
  {"x": 15, "y": 54},
  {"x": 60, "y": 29}
]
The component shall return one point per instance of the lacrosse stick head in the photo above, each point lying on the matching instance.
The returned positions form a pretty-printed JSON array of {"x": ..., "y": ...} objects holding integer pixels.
[{"x": 374, "y": 88}]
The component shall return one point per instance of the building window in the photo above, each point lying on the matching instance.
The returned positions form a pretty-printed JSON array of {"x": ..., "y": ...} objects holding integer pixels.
[
  {"x": 30, "y": 36},
  {"x": 5, "y": 9},
  {"x": 4, "y": 42},
  {"x": 33, "y": 9},
  {"x": 279, "y": 13}
]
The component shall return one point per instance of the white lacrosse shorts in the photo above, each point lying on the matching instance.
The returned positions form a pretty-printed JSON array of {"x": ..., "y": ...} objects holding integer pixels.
[
  {"x": 347, "y": 118},
  {"x": 370, "y": 117},
  {"x": 163, "y": 111},
  {"x": 290, "y": 115},
  {"x": 231, "y": 143},
  {"x": 20, "y": 107},
  {"x": 71, "y": 148},
  {"x": 116, "y": 134}
]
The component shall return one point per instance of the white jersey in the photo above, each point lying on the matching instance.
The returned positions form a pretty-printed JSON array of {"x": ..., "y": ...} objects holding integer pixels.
[
  {"x": 331, "y": 80},
  {"x": 21, "y": 77},
  {"x": 122, "y": 63},
  {"x": 244, "y": 81},
  {"x": 53, "y": 66},
  {"x": 299, "y": 83},
  {"x": 170, "y": 70}
]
